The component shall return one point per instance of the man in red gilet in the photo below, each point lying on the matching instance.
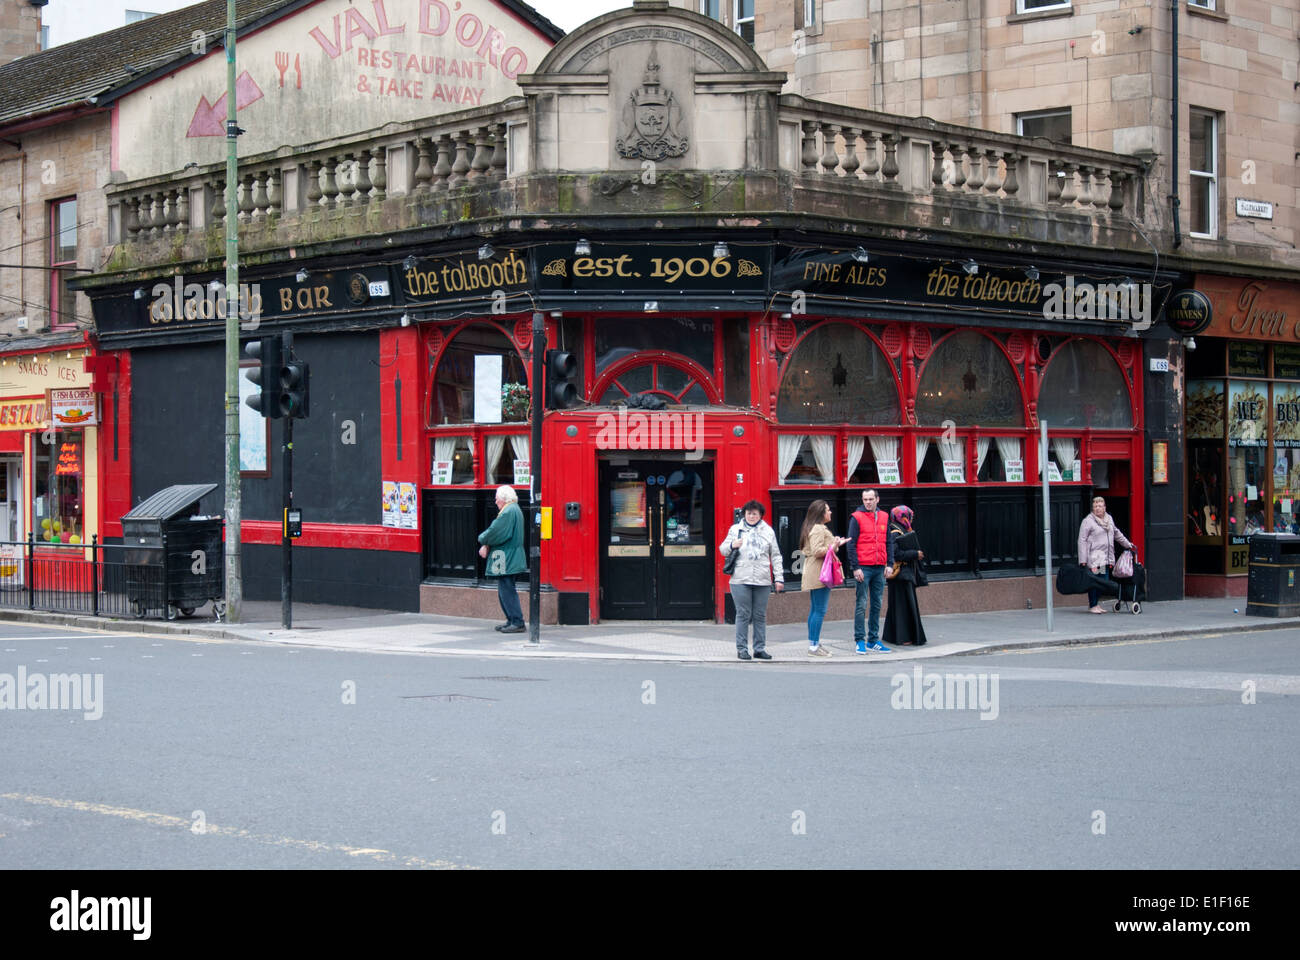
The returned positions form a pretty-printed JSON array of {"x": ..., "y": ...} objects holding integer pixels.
[{"x": 870, "y": 552}]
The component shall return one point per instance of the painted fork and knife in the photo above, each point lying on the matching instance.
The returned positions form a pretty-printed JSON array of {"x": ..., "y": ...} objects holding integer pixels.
[{"x": 282, "y": 64}]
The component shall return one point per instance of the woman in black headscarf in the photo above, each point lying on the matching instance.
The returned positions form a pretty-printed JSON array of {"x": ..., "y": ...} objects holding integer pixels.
[{"x": 903, "y": 625}]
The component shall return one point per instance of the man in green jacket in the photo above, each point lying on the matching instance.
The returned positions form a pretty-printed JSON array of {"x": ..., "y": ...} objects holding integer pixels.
[{"x": 505, "y": 537}]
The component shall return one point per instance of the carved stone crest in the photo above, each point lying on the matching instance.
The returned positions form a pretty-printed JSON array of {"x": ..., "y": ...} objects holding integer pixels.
[{"x": 651, "y": 118}]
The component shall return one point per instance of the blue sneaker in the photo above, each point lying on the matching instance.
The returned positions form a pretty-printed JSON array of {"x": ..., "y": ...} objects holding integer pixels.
[
  {"x": 862, "y": 647},
  {"x": 877, "y": 645}
]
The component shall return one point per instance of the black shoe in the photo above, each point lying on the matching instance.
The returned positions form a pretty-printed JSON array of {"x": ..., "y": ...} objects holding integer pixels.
[
  {"x": 762, "y": 655},
  {"x": 500, "y": 627},
  {"x": 513, "y": 628},
  {"x": 743, "y": 655}
]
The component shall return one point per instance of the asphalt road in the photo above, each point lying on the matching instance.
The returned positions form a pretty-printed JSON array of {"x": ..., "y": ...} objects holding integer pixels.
[{"x": 215, "y": 755}]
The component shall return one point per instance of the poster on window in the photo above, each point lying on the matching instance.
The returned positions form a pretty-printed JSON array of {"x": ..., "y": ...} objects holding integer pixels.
[
  {"x": 487, "y": 388},
  {"x": 1205, "y": 410},
  {"x": 390, "y": 504},
  {"x": 441, "y": 473},
  {"x": 522, "y": 477},
  {"x": 1247, "y": 414},
  {"x": 406, "y": 509},
  {"x": 954, "y": 471},
  {"x": 253, "y": 431},
  {"x": 1053, "y": 472},
  {"x": 1015, "y": 470},
  {"x": 888, "y": 473}
]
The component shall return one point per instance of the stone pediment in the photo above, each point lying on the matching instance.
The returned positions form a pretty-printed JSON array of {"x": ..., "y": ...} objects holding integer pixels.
[{"x": 650, "y": 84}]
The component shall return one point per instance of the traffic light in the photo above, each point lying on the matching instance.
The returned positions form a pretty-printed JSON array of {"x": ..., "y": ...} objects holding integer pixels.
[
  {"x": 561, "y": 372},
  {"x": 270, "y": 356},
  {"x": 294, "y": 381}
]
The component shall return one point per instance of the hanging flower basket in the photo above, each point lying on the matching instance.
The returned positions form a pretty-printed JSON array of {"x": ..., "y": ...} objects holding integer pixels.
[{"x": 515, "y": 404}]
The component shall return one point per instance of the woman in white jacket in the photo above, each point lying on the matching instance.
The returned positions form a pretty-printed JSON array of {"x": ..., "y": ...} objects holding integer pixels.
[
  {"x": 757, "y": 567},
  {"x": 1097, "y": 537}
]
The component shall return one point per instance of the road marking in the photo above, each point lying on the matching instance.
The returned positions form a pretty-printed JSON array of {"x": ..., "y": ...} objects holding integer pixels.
[{"x": 180, "y": 823}]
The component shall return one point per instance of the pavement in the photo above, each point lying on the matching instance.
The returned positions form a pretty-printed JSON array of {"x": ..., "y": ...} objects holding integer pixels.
[{"x": 377, "y": 631}]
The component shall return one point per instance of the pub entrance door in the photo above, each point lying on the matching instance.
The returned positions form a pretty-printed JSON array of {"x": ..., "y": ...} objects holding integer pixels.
[{"x": 656, "y": 520}]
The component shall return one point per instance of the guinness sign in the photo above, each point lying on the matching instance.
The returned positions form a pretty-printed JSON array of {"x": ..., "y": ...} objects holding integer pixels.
[{"x": 1189, "y": 312}]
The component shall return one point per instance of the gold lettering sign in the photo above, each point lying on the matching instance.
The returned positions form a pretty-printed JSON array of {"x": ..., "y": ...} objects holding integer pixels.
[{"x": 1251, "y": 309}]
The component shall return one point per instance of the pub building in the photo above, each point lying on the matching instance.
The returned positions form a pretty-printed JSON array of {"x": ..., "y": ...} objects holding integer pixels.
[
  {"x": 748, "y": 318},
  {"x": 1243, "y": 423}
]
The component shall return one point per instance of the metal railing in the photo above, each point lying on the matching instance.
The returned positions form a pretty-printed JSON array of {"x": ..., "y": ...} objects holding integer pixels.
[{"x": 94, "y": 579}]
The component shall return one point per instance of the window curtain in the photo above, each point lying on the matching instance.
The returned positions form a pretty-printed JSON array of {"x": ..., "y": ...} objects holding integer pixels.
[
  {"x": 496, "y": 445},
  {"x": 884, "y": 448},
  {"x": 1065, "y": 449},
  {"x": 823, "y": 449},
  {"x": 444, "y": 447},
  {"x": 982, "y": 451},
  {"x": 853, "y": 449},
  {"x": 519, "y": 444},
  {"x": 787, "y": 451},
  {"x": 1008, "y": 448},
  {"x": 953, "y": 449},
  {"x": 922, "y": 445}
]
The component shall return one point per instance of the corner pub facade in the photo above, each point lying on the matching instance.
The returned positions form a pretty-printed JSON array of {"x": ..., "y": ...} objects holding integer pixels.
[{"x": 767, "y": 297}]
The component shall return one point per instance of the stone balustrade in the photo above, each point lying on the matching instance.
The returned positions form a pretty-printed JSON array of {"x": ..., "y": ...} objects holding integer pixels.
[
  {"x": 839, "y": 161},
  {"x": 880, "y": 151},
  {"x": 465, "y": 150}
]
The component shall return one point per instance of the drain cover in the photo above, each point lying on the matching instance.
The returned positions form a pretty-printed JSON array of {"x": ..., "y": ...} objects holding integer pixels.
[{"x": 449, "y": 697}]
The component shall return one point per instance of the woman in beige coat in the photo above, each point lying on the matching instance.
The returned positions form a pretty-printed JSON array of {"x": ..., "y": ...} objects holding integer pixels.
[
  {"x": 1097, "y": 537},
  {"x": 814, "y": 540}
]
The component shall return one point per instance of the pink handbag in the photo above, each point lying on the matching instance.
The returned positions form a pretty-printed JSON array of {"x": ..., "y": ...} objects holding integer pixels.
[
  {"x": 1124, "y": 565},
  {"x": 832, "y": 574}
]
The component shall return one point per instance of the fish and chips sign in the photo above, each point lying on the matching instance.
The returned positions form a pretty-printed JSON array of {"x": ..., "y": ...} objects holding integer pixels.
[{"x": 73, "y": 408}]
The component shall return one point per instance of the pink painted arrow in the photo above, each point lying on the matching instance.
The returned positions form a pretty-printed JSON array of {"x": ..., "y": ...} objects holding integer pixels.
[{"x": 210, "y": 118}]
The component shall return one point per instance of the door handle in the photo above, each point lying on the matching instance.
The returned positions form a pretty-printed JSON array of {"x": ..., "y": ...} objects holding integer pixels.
[{"x": 661, "y": 519}]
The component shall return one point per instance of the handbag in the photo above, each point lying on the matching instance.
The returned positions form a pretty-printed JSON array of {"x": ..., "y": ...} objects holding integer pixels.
[
  {"x": 729, "y": 565},
  {"x": 832, "y": 574},
  {"x": 1124, "y": 565}
]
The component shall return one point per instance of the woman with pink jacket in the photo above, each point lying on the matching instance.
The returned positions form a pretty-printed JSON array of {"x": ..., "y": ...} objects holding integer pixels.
[{"x": 1097, "y": 537}]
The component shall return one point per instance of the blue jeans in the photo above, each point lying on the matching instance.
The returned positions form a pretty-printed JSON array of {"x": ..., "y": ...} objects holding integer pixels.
[
  {"x": 510, "y": 601},
  {"x": 818, "y": 600},
  {"x": 871, "y": 585}
]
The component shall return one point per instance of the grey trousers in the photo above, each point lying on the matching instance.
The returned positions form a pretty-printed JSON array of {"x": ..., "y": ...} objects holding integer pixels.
[{"x": 751, "y": 607}]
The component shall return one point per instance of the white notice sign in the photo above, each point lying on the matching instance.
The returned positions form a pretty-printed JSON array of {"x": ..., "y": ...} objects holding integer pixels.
[
  {"x": 441, "y": 473},
  {"x": 954, "y": 471},
  {"x": 887, "y": 473},
  {"x": 522, "y": 476},
  {"x": 487, "y": 388},
  {"x": 1015, "y": 471},
  {"x": 1053, "y": 472}
]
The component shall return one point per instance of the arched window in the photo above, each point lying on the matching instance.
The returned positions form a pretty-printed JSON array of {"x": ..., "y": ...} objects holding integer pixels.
[
  {"x": 675, "y": 378},
  {"x": 1083, "y": 386},
  {"x": 969, "y": 380},
  {"x": 451, "y": 388},
  {"x": 837, "y": 374}
]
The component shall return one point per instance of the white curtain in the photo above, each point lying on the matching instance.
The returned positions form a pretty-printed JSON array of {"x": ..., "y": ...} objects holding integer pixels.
[
  {"x": 853, "y": 448},
  {"x": 982, "y": 451},
  {"x": 496, "y": 445},
  {"x": 519, "y": 444},
  {"x": 1065, "y": 449},
  {"x": 787, "y": 451},
  {"x": 469, "y": 442},
  {"x": 444, "y": 447},
  {"x": 922, "y": 445},
  {"x": 823, "y": 449},
  {"x": 1008, "y": 448},
  {"x": 953, "y": 449},
  {"x": 884, "y": 448}
]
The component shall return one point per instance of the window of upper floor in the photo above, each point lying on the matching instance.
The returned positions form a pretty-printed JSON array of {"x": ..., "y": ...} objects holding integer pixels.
[
  {"x": 1203, "y": 170},
  {"x": 1034, "y": 6},
  {"x": 743, "y": 18},
  {"x": 1054, "y": 125},
  {"x": 63, "y": 262}
]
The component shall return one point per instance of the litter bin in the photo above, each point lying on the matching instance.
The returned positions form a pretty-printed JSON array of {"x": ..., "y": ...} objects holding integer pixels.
[
  {"x": 1273, "y": 584},
  {"x": 174, "y": 557}
]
